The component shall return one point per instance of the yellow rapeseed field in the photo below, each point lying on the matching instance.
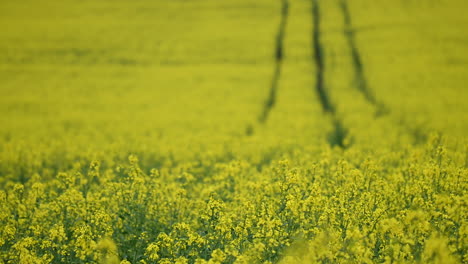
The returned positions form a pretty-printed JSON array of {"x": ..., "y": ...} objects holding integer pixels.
[{"x": 233, "y": 131}]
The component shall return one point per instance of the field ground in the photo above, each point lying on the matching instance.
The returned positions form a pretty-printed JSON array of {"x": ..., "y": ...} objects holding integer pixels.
[{"x": 234, "y": 131}]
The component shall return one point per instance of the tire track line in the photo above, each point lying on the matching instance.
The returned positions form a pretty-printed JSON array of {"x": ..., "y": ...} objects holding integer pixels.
[
  {"x": 339, "y": 133},
  {"x": 361, "y": 82},
  {"x": 279, "y": 55},
  {"x": 319, "y": 60},
  {"x": 416, "y": 132}
]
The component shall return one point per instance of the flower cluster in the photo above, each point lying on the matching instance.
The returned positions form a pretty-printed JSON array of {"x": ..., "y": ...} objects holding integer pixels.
[{"x": 392, "y": 210}]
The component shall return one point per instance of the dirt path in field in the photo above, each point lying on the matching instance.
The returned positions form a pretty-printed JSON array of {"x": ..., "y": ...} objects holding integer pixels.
[
  {"x": 279, "y": 55},
  {"x": 337, "y": 136},
  {"x": 339, "y": 132}
]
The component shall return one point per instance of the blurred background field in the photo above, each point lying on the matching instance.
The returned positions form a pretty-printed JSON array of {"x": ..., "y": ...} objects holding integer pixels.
[
  {"x": 113, "y": 113},
  {"x": 158, "y": 76}
]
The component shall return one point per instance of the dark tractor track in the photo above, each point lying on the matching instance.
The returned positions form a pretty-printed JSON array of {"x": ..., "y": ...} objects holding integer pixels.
[
  {"x": 361, "y": 82},
  {"x": 278, "y": 56},
  {"x": 319, "y": 61},
  {"x": 339, "y": 133}
]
